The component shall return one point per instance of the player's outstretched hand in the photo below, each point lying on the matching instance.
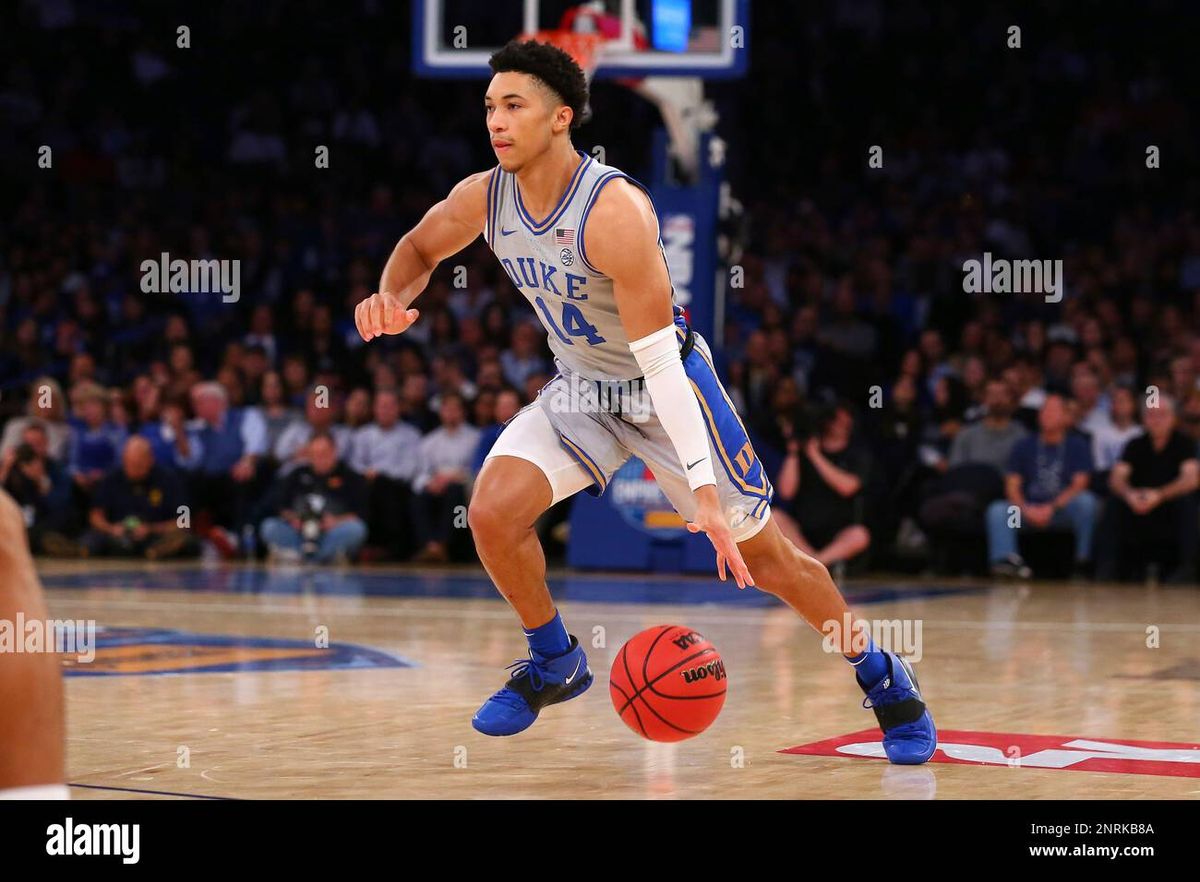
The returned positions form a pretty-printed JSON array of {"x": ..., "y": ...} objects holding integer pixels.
[
  {"x": 709, "y": 519},
  {"x": 382, "y": 313}
]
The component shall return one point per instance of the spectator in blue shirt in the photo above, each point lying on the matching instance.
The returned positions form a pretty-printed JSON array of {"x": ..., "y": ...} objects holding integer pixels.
[
  {"x": 169, "y": 438},
  {"x": 387, "y": 454},
  {"x": 320, "y": 417},
  {"x": 442, "y": 484},
  {"x": 95, "y": 442},
  {"x": 226, "y": 446},
  {"x": 1047, "y": 480}
]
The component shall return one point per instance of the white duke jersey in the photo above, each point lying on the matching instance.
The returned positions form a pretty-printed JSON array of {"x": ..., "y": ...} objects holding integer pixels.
[{"x": 547, "y": 262}]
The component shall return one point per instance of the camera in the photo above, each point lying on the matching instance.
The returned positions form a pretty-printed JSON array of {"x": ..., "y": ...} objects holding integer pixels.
[
  {"x": 312, "y": 508},
  {"x": 804, "y": 424}
]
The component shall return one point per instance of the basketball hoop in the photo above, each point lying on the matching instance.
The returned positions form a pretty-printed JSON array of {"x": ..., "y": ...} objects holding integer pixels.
[
  {"x": 584, "y": 33},
  {"x": 584, "y": 48}
]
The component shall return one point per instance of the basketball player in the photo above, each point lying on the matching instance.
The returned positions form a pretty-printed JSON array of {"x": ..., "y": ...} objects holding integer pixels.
[
  {"x": 31, "y": 719},
  {"x": 580, "y": 240}
]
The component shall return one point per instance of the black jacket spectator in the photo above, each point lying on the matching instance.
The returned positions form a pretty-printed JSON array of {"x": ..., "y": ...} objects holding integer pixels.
[
  {"x": 1154, "y": 488},
  {"x": 341, "y": 491},
  {"x": 320, "y": 508},
  {"x": 823, "y": 479},
  {"x": 136, "y": 510}
]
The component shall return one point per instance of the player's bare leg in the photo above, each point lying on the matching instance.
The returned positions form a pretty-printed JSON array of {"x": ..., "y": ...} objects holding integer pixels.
[
  {"x": 509, "y": 496},
  {"x": 791, "y": 531},
  {"x": 804, "y": 584},
  {"x": 31, "y": 696},
  {"x": 798, "y": 579}
]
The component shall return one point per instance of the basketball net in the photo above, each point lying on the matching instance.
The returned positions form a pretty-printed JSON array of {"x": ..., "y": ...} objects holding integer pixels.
[
  {"x": 584, "y": 48},
  {"x": 680, "y": 100}
]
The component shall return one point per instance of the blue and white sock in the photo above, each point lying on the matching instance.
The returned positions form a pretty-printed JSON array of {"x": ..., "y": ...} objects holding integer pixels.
[
  {"x": 871, "y": 664},
  {"x": 551, "y": 639}
]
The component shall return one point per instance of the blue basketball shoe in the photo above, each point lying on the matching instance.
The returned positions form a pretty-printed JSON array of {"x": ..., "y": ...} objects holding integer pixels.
[
  {"x": 909, "y": 736},
  {"x": 537, "y": 682}
]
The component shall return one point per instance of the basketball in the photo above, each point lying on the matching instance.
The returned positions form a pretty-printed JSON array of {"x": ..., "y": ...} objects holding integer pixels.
[{"x": 668, "y": 683}]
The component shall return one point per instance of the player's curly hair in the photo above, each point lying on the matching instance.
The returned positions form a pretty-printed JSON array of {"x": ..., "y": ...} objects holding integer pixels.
[{"x": 554, "y": 67}]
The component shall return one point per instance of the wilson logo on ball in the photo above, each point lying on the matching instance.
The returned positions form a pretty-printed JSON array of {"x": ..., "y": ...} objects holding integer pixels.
[{"x": 714, "y": 669}]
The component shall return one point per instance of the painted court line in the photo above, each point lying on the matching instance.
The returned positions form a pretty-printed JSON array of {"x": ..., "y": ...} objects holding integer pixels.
[
  {"x": 744, "y": 617},
  {"x": 151, "y": 792}
]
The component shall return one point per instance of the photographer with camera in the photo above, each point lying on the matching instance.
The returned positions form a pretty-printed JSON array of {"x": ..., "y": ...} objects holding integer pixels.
[
  {"x": 821, "y": 487},
  {"x": 38, "y": 484},
  {"x": 320, "y": 509}
]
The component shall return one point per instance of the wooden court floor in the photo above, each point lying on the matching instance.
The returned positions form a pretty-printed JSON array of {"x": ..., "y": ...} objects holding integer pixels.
[{"x": 1066, "y": 660}]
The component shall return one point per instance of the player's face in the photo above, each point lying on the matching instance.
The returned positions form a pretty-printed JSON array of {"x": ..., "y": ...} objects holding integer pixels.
[{"x": 521, "y": 119}]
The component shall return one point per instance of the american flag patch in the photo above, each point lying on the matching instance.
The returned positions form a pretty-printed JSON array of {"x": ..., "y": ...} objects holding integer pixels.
[{"x": 564, "y": 237}]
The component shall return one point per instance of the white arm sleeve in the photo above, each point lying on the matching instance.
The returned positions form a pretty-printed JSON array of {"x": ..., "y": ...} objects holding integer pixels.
[{"x": 675, "y": 403}]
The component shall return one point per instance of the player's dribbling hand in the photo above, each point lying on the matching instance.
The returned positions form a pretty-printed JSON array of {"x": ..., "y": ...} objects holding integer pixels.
[
  {"x": 382, "y": 313},
  {"x": 711, "y": 521}
]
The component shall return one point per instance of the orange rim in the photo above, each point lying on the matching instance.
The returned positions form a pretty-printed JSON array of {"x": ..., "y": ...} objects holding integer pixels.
[{"x": 581, "y": 47}]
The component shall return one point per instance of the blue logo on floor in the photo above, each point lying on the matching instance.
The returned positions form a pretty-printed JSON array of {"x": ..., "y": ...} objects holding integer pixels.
[{"x": 143, "y": 651}]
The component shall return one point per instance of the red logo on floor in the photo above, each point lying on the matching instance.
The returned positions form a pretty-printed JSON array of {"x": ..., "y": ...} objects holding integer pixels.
[{"x": 1173, "y": 758}]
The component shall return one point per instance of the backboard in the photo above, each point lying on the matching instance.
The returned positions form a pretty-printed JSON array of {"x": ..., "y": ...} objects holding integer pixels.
[{"x": 674, "y": 38}]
